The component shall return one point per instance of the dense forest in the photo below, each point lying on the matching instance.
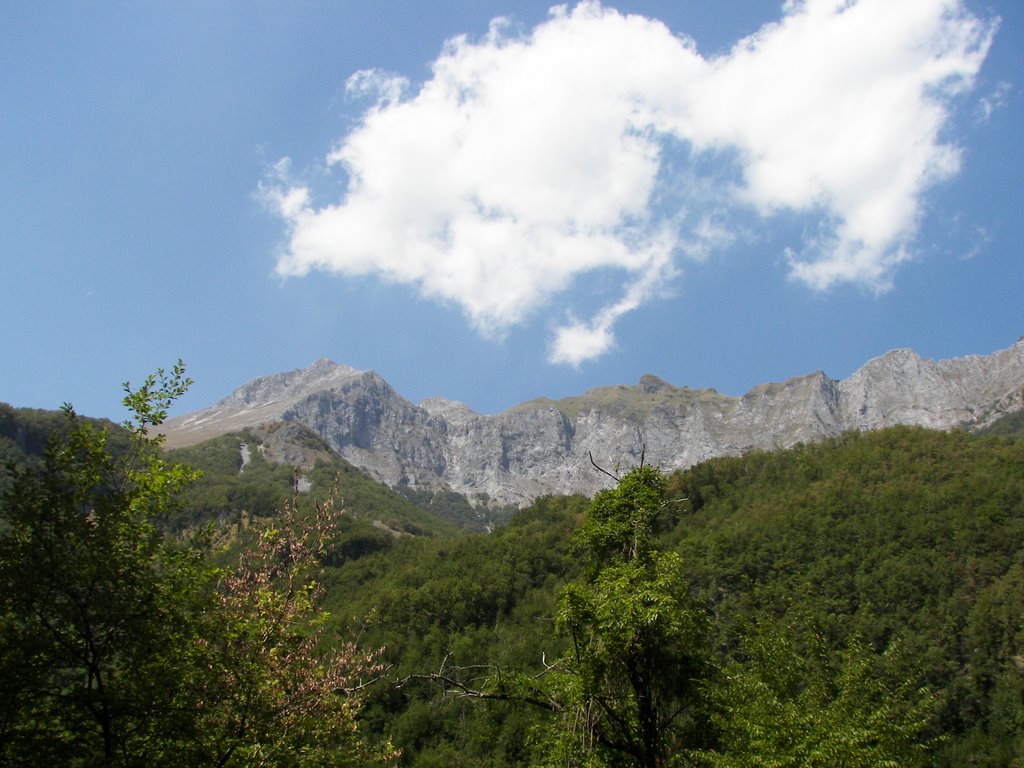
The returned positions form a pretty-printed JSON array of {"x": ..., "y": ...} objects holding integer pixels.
[
  {"x": 837, "y": 579},
  {"x": 857, "y": 602}
]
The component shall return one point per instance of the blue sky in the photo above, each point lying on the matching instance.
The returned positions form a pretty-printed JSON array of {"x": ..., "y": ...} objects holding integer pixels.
[{"x": 492, "y": 201}]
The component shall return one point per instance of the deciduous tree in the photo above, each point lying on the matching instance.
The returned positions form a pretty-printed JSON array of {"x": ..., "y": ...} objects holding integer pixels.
[
  {"x": 121, "y": 645},
  {"x": 631, "y": 683}
]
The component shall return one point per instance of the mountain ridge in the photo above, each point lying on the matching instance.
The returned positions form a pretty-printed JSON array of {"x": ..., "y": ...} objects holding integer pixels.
[{"x": 544, "y": 446}]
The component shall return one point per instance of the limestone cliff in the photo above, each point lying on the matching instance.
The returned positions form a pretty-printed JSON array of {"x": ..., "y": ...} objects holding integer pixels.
[{"x": 544, "y": 446}]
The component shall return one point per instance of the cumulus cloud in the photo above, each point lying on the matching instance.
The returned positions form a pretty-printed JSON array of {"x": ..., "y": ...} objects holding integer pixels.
[{"x": 600, "y": 141}]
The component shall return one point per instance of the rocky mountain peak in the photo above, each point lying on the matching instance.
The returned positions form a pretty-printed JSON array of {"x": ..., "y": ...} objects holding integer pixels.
[
  {"x": 447, "y": 409},
  {"x": 543, "y": 446},
  {"x": 323, "y": 374},
  {"x": 652, "y": 385}
]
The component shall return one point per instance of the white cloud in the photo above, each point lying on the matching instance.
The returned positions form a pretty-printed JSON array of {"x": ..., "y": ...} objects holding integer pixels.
[
  {"x": 525, "y": 162},
  {"x": 385, "y": 87},
  {"x": 578, "y": 342},
  {"x": 998, "y": 99},
  {"x": 839, "y": 108}
]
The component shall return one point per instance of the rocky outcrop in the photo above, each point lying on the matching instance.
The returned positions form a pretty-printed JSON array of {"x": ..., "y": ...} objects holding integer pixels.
[
  {"x": 292, "y": 444},
  {"x": 545, "y": 446}
]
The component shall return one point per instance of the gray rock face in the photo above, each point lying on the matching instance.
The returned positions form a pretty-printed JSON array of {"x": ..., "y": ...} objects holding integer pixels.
[{"x": 545, "y": 446}]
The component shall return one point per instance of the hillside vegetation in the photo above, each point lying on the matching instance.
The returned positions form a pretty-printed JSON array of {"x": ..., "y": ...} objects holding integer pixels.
[
  {"x": 898, "y": 553},
  {"x": 225, "y": 491},
  {"x": 123, "y": 645},
  {"x": 857, "y": 601}
]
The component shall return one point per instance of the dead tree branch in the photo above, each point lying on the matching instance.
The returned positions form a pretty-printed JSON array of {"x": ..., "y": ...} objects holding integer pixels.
[
  {"x": 503, "y": 690},
  {"x": 602, "y": 469}
]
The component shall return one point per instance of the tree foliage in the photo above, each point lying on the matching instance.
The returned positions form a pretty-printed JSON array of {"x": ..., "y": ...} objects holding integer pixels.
[
  {"x": 270, "y": 692},
  {"x": 120, "y": 645},
  {"x": 94, "y": 599},
  {"x": 790, "y": 700},
  {"x": 906, "y": 537},
  {"x": 630, "y": 682},
  {"x": 881, "y": 572}
]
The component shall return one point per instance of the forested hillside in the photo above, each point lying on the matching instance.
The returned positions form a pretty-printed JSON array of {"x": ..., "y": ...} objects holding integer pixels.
[
  {"x": 226, "y": 491},
  {"x": 857, "y": 602},
  {"x": 25, "y": 433},
  {"x": 904, "y": 538},
  {"x": 900, "y": 551}
]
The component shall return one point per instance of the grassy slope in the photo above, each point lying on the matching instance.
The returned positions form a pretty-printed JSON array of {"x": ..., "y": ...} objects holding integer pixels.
[{"x": 632, "y": 402}]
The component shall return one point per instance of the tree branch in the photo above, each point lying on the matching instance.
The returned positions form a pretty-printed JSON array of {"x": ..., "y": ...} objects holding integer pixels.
[
  {"x": 464, "y": 690},
  {"x": 602, "y": 469}
]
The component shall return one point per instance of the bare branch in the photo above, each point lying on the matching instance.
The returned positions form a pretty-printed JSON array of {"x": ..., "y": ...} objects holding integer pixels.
[
  {"x": 602, "y": 469},
  {"x": 351, "y": 689},
  {"x": 503, "y": 689},
  {"x": 466, "y": 691}
]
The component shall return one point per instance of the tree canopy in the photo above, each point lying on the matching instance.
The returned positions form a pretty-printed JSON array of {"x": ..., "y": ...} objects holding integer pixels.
[{"x": 123, "y": 646}]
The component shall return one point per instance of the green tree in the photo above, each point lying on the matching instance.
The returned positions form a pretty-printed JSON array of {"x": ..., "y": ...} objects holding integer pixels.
[
  {"x": 269, "y": 690},
  {"x": 123, "y": 646},
  {"x": 793, "y": 701},
  {"x": 629, "y": 689},
  {"x": 630, "y": 685},
  {"x": 95, "y": 604}
]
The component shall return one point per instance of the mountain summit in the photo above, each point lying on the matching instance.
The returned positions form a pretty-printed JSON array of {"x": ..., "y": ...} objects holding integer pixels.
[{"x": 545, "y": 446}]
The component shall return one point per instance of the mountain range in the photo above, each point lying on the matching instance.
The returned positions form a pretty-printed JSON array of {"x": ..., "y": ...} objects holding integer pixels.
[{"x": 549, "y": 446}]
